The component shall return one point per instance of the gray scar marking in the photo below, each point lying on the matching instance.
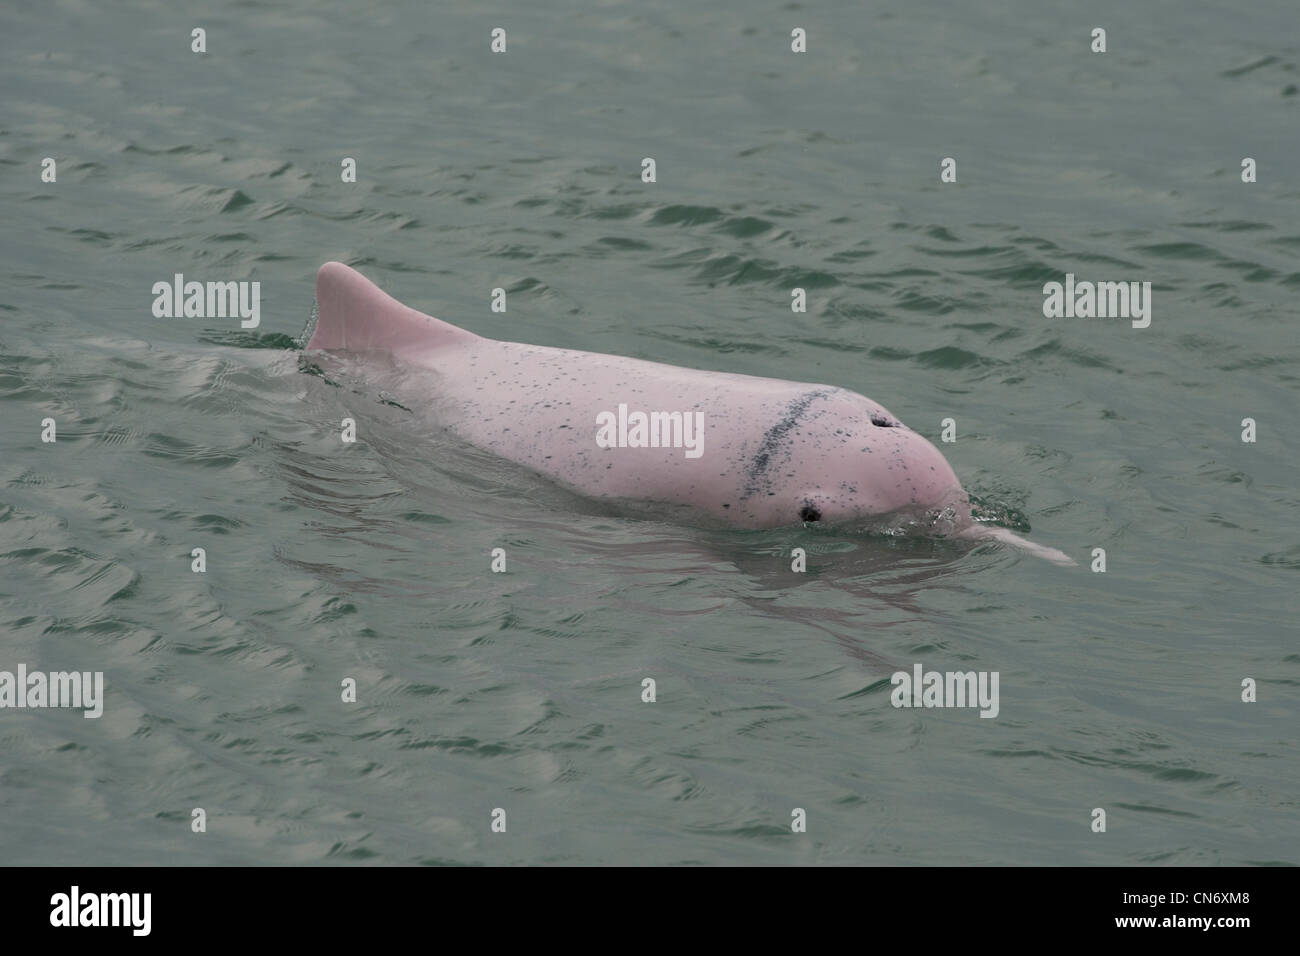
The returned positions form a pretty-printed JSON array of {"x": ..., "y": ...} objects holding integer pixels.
[{"x": 777, "y": 439}]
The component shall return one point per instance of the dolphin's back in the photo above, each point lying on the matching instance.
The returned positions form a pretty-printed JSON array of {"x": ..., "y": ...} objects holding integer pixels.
[{"x": 356, "y": 315}]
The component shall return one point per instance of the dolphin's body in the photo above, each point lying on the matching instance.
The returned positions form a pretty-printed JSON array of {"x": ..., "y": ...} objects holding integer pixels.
[{"x": 769, "y": 453}]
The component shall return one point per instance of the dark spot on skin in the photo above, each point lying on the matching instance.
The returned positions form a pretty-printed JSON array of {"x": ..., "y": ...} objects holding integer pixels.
[
  {"x": 777, "y": 441},
  {"x": 809, "y": 513}
]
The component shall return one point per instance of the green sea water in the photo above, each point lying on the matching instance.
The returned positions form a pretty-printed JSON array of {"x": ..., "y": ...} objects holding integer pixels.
[{"x": 523, "y": 691}]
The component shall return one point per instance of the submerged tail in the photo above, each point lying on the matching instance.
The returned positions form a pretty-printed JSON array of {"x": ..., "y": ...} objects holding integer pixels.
[
  {"x": 981, "y": 532},
  {"x": 357, "y": 315}
]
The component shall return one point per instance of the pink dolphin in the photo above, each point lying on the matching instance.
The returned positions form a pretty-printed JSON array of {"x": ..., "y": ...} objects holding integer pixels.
[{"x": 753, "y": 452}]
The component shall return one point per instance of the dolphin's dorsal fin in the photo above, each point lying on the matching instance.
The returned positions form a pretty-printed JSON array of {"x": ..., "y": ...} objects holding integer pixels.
[{"x": 356, "y": 315}]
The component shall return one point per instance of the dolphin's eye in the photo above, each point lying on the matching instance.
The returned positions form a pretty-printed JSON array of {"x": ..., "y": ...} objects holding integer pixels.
[
  {"x": 809, "y": 513},
  {"x": 881, "y": 421}
]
